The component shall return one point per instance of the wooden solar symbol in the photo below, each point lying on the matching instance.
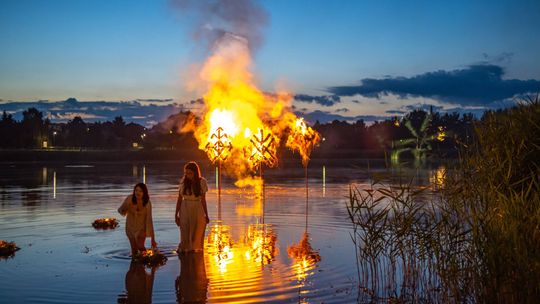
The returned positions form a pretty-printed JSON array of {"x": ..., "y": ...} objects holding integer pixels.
[
  {"x": 264, "y": 149},
  {"x": 219, "y": 146}
]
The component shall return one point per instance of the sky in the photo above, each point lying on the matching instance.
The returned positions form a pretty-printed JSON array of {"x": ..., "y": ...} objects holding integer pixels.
[{"x": 342, "y": 60}]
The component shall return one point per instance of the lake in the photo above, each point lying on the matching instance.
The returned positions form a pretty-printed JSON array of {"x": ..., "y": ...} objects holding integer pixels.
[{"x": 283, "y": 246}]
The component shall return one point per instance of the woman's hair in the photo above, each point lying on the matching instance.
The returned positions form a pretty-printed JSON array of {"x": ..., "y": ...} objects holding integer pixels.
[
  {"x": 145, "y": 197},
  {"x": 192, "y": 186}
]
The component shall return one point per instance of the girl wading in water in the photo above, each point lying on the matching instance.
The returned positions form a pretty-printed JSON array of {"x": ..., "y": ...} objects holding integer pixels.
[
  {"x": 139, "y": 225},
  {"x": 191, "y": 213}
]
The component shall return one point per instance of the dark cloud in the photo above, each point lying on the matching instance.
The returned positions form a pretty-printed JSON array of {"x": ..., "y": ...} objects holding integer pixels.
[
  {"x": 424, "y": 107},
  {"x": 325, "y": 117},
  {"x": 155, "y": 100},
  {"x": 343, "y": 110},
  {"x": 325, "y": 100},
  {"x": 480, "y": 84},
  {"x": 395, "y": 112},
  {"x": 91, "y": 111}
]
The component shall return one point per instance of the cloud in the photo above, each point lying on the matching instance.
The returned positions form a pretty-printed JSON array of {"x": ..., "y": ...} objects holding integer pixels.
[
  {"x": 424, "y": 107},
  {"x": 344, "y": 110},
  {"x": 326, "y": 117},
  {"x": 481, "y": 84},
  {"x": 399, "y": 112},
  {"x": 91, "y": 111},
  {"x": 325, "y": 100}
]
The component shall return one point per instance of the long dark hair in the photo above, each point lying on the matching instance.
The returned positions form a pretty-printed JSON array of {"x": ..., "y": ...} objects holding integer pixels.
[
  {"x": 145, "y": 197},
  {"x": 192, "y": 186}
]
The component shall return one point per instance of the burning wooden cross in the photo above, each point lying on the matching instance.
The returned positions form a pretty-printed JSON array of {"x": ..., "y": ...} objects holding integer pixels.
[
  {"x": 218, "y": 153},
  {"x": 218, "y": 146},
  {"x": 263, "y": 149}
]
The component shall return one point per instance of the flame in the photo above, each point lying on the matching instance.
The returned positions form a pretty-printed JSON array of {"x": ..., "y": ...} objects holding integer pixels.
[
  {"x": 241, "y": 126},
  {"x": 303, "y": 139}
]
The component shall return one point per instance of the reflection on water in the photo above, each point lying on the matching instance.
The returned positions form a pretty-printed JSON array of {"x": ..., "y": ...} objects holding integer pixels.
[
  {"x": 139, "y": 284},
  {"x": 305, "y": 258},
  {"x": 54, "y": 184},
  {"x": 260, "y": 244},
  {"x": 437, "y": 177},
  {"x": 48, "y": 209},
  {"x": 324, "y": 181},
  {"x": 219, "y": 247},
  {"x": 192, "y": 284}
]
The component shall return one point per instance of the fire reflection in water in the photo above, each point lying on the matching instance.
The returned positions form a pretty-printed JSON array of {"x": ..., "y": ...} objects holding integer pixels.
[
  {"x": 257, "y": 249},
  {"x": 305, "y": 258},
  {"x": 261, "y": 244},
  {"x": 219, "y": 246},
  {"x": 437, "y": 177}
]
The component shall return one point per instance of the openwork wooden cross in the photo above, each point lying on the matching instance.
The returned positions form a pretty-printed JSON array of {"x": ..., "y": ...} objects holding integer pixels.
[
  {"x": 220, "y": 148},
  {"x": 264, "y": 149}
]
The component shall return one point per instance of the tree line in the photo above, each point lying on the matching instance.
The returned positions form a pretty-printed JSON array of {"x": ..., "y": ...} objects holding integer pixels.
[{"x": 34, "y": 131}]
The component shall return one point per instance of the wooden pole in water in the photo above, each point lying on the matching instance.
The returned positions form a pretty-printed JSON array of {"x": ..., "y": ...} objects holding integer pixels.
[
  {"x": 219, "y": 190},
  {"x": 307, "y": 196},
  {"x": 262, "y": 189}
]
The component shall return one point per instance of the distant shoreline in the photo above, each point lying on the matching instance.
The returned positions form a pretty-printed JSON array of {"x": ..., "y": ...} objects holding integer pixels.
[{"x": 87, "y": 155}]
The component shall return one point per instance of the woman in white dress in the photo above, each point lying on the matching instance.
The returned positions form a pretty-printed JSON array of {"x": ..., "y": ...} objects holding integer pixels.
[
  {"x": 139, "y": 225},
  {"x": 191, "y": 213}
]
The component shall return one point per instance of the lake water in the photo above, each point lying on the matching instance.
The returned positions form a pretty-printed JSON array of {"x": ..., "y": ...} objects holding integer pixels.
[{"x": 280, "y": 247}]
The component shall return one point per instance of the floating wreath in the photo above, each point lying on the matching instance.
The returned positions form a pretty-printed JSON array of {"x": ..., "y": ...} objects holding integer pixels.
[
  {"x": 7, "y": 249},
  {"x": 150, "y": 258},
  {"x": 105, "y": 223}
]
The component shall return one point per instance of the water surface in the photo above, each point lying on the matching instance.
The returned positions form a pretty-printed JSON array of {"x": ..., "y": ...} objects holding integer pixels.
[{"x": 286, "y": 246}]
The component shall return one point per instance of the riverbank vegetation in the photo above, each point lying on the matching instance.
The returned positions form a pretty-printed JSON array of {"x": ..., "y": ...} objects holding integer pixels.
[{"x": 472, "y": 236}]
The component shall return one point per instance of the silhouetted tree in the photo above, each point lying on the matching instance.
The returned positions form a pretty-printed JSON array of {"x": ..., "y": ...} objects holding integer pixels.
[{"x": 32, "y": 131}]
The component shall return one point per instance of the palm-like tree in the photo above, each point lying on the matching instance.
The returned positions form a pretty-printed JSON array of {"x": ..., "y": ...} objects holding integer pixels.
[{"x": 420, "y": 142}]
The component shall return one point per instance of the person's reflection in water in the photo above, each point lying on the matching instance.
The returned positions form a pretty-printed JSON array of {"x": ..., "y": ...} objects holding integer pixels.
[
  {"x": 192, "y": 284},
  {"x": 139, "y": 284}
]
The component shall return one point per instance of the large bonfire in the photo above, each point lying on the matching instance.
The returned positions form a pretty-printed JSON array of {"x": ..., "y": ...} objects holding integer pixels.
[{"x": 240, "y": 126}]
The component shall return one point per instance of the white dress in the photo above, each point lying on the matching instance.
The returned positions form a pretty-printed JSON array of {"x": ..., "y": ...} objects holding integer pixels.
[{"x": 192, "y": 219}]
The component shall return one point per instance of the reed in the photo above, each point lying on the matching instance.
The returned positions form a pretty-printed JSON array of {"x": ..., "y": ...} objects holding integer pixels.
[{"x": 476, "y": 239}]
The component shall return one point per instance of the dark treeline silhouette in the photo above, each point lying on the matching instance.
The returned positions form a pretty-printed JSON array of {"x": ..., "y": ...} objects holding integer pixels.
[
  {"x": 381, "y": 136},
  {"x": 36, "y": 132}
]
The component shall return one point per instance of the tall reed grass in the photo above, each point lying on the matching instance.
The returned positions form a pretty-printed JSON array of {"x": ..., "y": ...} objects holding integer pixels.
[{"x": 476, "y": 239}]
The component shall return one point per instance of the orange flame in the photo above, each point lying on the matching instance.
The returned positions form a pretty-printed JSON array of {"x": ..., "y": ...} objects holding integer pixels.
[
  {"x": 303, "y": 139},
  {"x": 241, "y": 126}
]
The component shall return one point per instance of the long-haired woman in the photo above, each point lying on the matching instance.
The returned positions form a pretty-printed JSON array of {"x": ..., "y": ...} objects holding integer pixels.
[
  {"x": 191, "y": 213},
  {"x": 138, "y": 211}
]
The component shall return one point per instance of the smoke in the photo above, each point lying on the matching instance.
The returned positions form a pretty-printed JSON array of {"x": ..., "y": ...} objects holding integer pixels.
[{"x": 213, "y": 19}]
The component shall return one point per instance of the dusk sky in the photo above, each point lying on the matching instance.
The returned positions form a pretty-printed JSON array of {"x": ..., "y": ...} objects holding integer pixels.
[{"x": 342, "y": 59}]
